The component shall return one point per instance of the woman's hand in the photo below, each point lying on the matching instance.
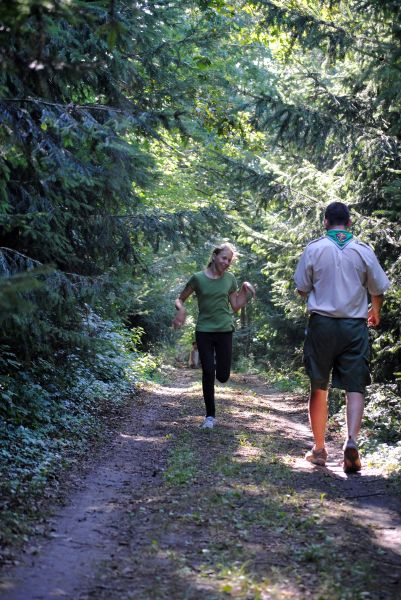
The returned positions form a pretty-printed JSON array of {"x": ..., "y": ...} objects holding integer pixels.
[
  {"x": 248, "y": 287},
  {"x": 179, "y": 319},
  {"x": 239, "y": 299}
]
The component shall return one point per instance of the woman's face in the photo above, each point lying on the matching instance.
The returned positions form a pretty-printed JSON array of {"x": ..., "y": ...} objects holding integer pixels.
[{"x": 222, "y": 260}]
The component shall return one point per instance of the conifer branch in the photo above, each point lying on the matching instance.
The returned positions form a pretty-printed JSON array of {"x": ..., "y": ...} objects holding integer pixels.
[{"x": 71, "y": 106}]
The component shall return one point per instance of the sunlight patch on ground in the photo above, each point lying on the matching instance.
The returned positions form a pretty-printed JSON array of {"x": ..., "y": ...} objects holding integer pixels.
[
  {"x": 287, "y": 460},
  {"x": 165, "y": 390},
  {"x": 247, "y": 489},
  {"x": 186, "y": 389},
  {"x": 267, "y": 421},
  {"x": 384, "y": 527},
  {"x": 107, "y": 507},
  {"x": 246, "y": 452},
  {"x": 142, "y": 438},
  {"x": 234, "y": 581},
  {"x": 246, "y": 459}
]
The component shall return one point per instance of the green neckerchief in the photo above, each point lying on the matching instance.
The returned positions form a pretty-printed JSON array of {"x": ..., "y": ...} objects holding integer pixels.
[{"x": 339, "y": 237}]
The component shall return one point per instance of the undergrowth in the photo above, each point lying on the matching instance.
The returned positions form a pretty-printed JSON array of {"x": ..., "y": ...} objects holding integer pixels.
[
  {"x": 380, "y": 437},
  {"x": 52, "y": 413}
]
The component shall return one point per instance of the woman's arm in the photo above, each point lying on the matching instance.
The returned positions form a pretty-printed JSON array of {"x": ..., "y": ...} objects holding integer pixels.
[
  {"x": 239, "y": 299},
  {"x": 179, "y": 319}
]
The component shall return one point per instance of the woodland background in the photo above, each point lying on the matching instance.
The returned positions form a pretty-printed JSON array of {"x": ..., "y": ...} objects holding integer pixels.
[{"x": 134, "y": 136}]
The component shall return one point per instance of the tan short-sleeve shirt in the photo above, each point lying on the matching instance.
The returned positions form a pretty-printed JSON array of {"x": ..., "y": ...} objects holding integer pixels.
[{"x": 337, "y": 280}]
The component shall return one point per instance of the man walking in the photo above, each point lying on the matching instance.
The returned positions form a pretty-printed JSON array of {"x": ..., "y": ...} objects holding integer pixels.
[{"x": 334, "y": 273}]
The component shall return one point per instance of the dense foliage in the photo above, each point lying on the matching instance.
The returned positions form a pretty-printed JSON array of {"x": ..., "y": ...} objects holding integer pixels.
[{"x": 136, "y": 134}]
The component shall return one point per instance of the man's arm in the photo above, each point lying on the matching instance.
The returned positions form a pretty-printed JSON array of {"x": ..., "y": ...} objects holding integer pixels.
[
  {"x": 374, "y": 310},
  {"x": 303, "y": 275}
]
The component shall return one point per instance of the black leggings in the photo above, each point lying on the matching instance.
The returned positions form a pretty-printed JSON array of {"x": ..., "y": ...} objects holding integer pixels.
[{"x": 215, "y": 351}]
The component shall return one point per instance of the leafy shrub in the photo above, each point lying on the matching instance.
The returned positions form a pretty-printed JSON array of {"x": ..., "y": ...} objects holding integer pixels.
[
  {"x": 386, "y": 457},
  {"x": 287, "y": 380},
  {"x": 382, "y": 416},
  {"x": 50, "y": 414},
  {"x": 380, "y": 437}
]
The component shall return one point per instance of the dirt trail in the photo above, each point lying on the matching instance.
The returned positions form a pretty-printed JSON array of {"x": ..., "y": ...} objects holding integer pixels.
[{"x": 174, "y": 512}]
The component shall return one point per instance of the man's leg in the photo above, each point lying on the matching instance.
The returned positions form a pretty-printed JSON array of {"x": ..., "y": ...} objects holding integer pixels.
[
  {"x": 355, "y": 404},
  {"x": 318, "y": 416},
  {"x": 351, "y": 372},
  {"x": 318, "y": 360}
]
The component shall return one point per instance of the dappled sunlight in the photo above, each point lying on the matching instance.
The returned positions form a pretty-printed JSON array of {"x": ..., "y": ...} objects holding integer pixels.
[
  {"x": 241, "y": 490},
  {"x": 143, "y": 438},
  {"x": 135, "y": 136},
  {"x": 107, "y": 507},
  {"x": 333, "y": 469},
  {"x": 164, "y": 390},
  {"x": 266, "y": 422},
  {"x": 237, "y": 581},
  {"x": 236, "y": 512},
  {"x": 236, "y": 578},
  {"x": 265, "y": 578},
  {"x": 241, "y": 514},
  {"x": 249, "y": 456},
  {"x": 384, "y": 529}
]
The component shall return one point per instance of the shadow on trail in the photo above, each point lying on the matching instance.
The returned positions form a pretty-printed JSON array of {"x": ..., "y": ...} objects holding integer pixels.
[
  {"x": 263, "y": 526},
  {"x": 263, "y": 532},
  {"x": 234, "y": 512},
  {"x": 238, "y": 519}
]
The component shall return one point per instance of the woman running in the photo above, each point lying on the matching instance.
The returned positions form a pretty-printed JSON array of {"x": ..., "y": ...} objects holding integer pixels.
[{"x": 215, "y": 289}]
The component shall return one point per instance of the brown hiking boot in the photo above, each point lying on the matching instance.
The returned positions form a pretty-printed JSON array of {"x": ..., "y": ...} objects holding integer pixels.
[
  {"x": 352, "y": 462},
  {"x": 317, "y": 457}
]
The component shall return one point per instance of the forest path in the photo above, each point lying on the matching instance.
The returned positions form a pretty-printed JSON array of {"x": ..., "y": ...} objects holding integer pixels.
[{"x": 171, "y": 511}]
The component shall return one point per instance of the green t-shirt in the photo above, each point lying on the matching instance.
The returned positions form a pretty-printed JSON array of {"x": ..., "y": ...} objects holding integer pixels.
[{"x": 215, "y": 312}]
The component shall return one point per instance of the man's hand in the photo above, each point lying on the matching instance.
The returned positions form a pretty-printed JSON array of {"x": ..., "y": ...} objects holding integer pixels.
[
  {"x": 374, "y": 310},
  {"x": 373, "y": 317}
]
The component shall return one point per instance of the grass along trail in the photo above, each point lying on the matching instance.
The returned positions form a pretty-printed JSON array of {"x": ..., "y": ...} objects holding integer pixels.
[{"x": 176, "y": 512}]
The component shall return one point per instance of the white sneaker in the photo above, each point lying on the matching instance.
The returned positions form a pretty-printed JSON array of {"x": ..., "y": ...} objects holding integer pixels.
[{"x": 208, "y": 423}]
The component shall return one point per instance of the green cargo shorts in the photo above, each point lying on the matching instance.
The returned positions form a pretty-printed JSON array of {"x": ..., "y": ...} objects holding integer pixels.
[{"x": 340, "y": 347}]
